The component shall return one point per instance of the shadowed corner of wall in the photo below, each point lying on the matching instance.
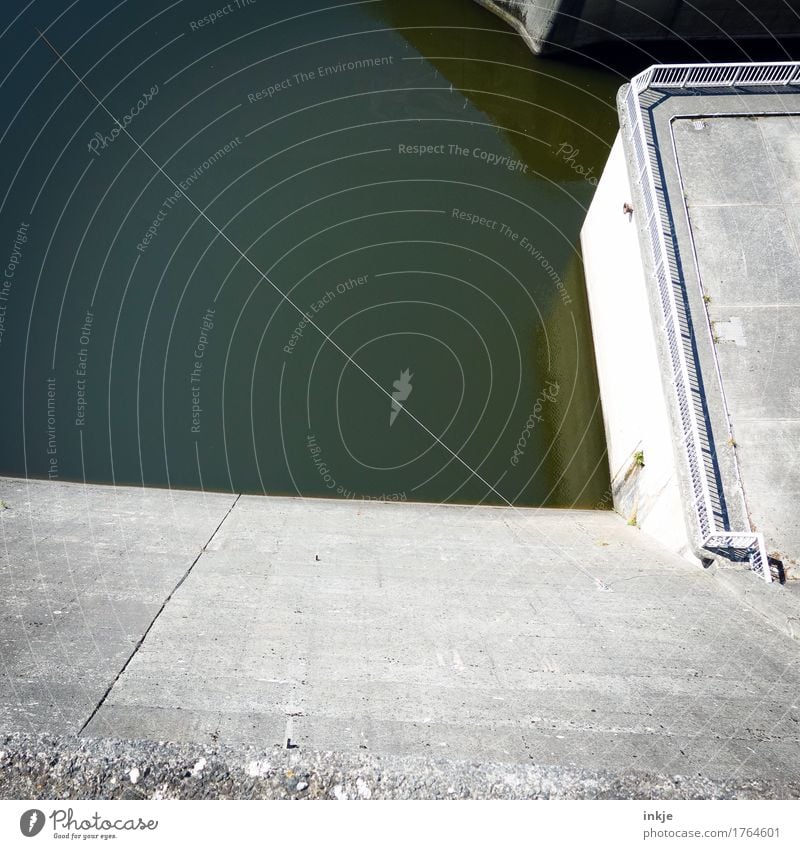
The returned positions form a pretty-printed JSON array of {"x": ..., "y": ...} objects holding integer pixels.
[{"x": 578, "y": 445}]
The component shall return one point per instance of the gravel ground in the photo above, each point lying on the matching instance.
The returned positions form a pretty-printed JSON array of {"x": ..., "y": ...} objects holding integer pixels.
[{"x": 41, "y": 767}]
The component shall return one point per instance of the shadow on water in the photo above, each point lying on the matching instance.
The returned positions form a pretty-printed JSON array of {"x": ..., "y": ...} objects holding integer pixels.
[
  {"x": 630, "y": 59},
  {"x": 530, "y": 98},
  {"x": 570, "y": 106}
]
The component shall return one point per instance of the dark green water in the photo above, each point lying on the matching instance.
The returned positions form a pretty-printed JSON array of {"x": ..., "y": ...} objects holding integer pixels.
[{"x": 406, "y": 173}]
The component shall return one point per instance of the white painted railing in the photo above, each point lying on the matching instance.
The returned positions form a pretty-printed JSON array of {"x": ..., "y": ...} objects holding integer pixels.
[
  {"x": 697, "y": 443},
  {"x": 730, "y": 75}
]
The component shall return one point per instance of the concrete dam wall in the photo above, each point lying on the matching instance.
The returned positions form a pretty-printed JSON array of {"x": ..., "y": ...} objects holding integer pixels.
[{"x": 551, "y": 25}]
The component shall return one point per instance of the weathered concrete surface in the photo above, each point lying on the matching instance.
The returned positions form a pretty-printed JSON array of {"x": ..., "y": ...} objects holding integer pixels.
[
  {"x": 83, "y": 572},
  {"x": 741, "y": 177},
  {"x": 562, "y": 638},
  {"x": 778, "y": 603},
  {"x": 467, "y": 633},
  {"x": 68, "y": 768},
  {"x": 550, "y": 25}
]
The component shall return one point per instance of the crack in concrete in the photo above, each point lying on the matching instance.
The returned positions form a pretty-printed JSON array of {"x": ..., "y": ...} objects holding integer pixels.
[{"x": 160, "y": 610}]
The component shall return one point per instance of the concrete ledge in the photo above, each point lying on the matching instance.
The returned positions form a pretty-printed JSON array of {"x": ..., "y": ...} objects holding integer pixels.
[{"x": 38, "y": 767}]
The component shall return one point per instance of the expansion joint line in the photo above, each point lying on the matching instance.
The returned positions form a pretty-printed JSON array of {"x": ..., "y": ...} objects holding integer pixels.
[
  {"x": 160, "y": 610},
  {"x": 285, "y": 297}
]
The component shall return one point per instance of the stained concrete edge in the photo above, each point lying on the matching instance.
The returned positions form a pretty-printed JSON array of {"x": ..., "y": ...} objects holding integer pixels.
[
  {"x": 536, "y": 42},
  {"x": 57, "y": 768}
]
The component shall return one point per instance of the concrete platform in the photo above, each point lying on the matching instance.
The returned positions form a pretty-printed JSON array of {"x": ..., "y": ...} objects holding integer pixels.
[
  {"x": 708, "y": 158},
  {"x": 561, "y": 638},
  {"x": 727, "y": 162},
  {"x": 741, "y": 177}
]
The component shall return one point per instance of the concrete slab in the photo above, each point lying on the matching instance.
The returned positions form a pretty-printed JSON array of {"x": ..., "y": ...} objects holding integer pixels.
[
  {"x": 84, "y": 570},
  {"x": 461, "y": 633},
  {"x": 758, "y": 263},
  {"x": 740, "y": 177}
]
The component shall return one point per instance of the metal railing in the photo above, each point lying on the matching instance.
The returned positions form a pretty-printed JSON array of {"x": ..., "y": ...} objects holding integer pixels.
[
  {"x": 685, "y": 380},
  {"x": 728, "y": 75}
]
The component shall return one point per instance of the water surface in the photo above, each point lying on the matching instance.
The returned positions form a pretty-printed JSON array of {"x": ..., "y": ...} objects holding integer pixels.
[{"x": 394, "y": 193}]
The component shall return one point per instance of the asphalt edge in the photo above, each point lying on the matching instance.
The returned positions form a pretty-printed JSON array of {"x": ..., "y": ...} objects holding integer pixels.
[{"x": 58, "y": 768}]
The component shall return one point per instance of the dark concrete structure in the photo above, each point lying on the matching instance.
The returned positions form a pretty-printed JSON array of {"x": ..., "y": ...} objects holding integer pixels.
[{"x": 551, "y": 25}]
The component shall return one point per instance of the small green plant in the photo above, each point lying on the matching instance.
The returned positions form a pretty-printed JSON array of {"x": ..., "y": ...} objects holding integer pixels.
[
  {"x": 3, "y": 505},
  {"x": 731, "y": 442},
  {"x": 706, "y": 299},
  {"x": 638, "y": 459}
]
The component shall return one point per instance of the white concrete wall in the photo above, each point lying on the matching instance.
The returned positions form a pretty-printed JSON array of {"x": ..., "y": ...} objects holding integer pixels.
[{"x": 631, "y": 389}]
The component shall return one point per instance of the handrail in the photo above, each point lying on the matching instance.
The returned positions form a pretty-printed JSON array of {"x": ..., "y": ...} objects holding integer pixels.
[
  {"x": 722, "y": 75},
  {"x": 735, "y": 76}
]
